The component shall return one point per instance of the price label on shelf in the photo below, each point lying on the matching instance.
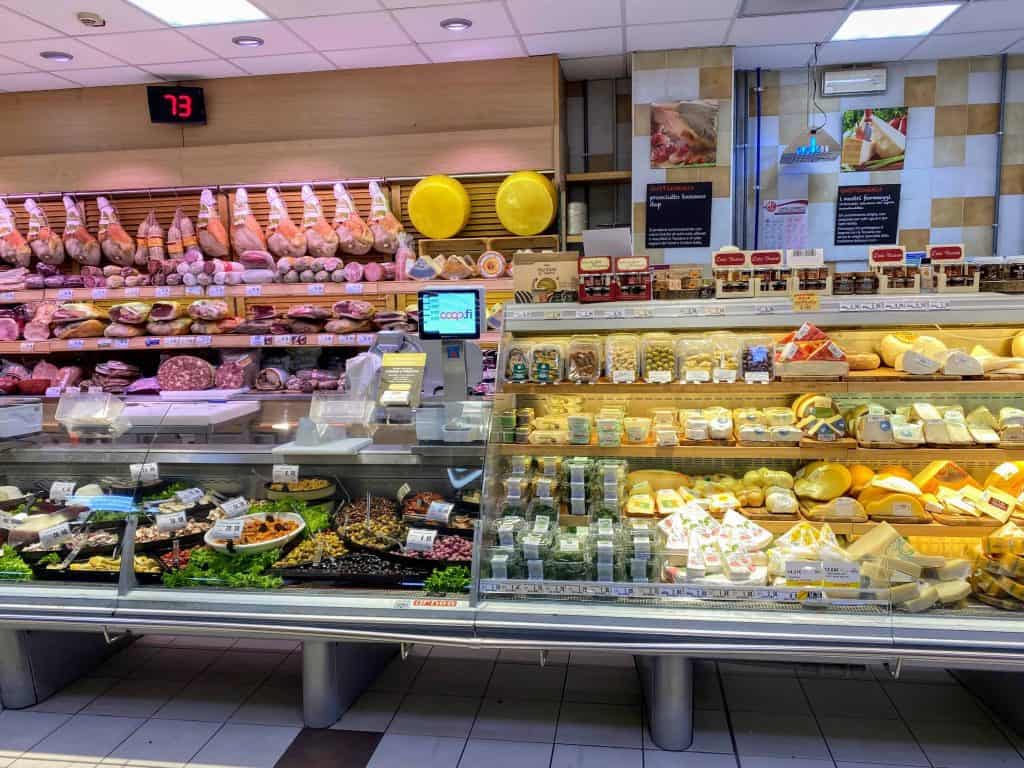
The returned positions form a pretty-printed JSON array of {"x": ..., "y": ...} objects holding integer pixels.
[
  {"x": 50, "y": 538},
  {"x": 193, "y": 290},
  {"x": 764, "y": 309},
  {"x": 724, "y": 376},
  {"x": 402, "y": 492},
  {"x": 121, "y": 343},
  {"x": 659, "y": 377},
  {"x": 714, "y": 310},
  {"x": 171, "y": 521},
  {"x": 131, "y": 293},
  {"x": 355, "y": 288},
  {"x": 104, "y": 343},
  {"x": 235, "y": 507},
  {"x": 623, "y": 377},
  {"x": 584, "y": 314},
  {"x": 7, "y": 296},
  {"x": 230, "y": 530},
  {"x": 346, "y": 339},
  {"x": 27, "y": 346},
  {"x": 257, "y": 341},
  {"x": 144, "y": 473},
  {"x": 162, "y": 291},
  {"x": 325, "y": 339},
  {"x": 189, "y": 495},
  {"x": 186, "y": 341},
  {"x": 7, "y": 522},
  {"x": 286, "y": 473},
  {"x": 98, "y": 293},
  {"x": 757, "y": 377},
  {"x": 65, "y": 294},
  {"x": 366, "y": 339},
  {"x": 439, "y": 512},
  {"x": 61, "y": 490},
  {"x": 806, "y": 302},
  {"x": 254, "y": 290},
  {"x": 76, "y": 343},
  {"x": 316, "y": 289},
  {"x": 204, "y": 341},
  {"x": 697, "y": 375},
  {"x": 215, "y": 290},
  {"x": 420, "y": 540}
]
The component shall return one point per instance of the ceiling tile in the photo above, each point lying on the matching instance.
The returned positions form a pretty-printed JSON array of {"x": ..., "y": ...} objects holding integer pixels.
[
  {"x": 291, "y": 9},
  {"x": 588, "y": 42},
  {"x": 984, "y": 17},
  {"x": 418, "y": 3},
  {"x": 280, "y": 65},
  {"x": 424, "y": 24},
  {"x": 150, "y": 47},
  {"x": 653, "y": 37},
  {"x": 781, "y": 30},
  {"x": 33, "y": 81},
  {"x": 465, "y": 50},
  {"x": 277, "y": 38},
  {"x": 16, "y": 27},
  {"x": 28, "y": 52},
  {"x": 867, "y": 51},
  {"x": 204, "y": 69},
  {"x": 8, "y": 66},
  {"x": 659, "y": 12},
  {"x": 120, "y": 16},
  {"x": 536, "y": 16},
  {"x": 772, "y": 7},
  {"x": 772, "y": 56},
  {"x": 596, "y": 68},
  {"x": 1018, "y": 48},
  {"x": 951, "y": 46},
  {"x": 357, "y": 30},
  {"x": 387, "y": 56},
  {"x": 865, "y": 4},
  {"x": 110, "y": 76}
]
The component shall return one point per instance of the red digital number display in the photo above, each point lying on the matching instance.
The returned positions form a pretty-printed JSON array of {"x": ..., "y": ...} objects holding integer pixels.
[
  {"x": 176, "y": 104},
  {"x": 181, "y": 105}
]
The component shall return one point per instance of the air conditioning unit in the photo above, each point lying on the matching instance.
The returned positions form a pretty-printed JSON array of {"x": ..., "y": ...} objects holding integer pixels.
[{"x": 847, "y": 82}]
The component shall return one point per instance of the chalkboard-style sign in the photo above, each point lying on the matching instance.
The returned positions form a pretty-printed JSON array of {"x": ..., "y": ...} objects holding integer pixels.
[{"x": 678, "y": 215}]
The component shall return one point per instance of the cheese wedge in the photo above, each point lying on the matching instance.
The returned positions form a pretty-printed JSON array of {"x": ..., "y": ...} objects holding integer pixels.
[
  {"x": 904, "y": 592},
  {"x": 928, "y": 597},
  {"x": 873, "y": 543},
  {"x": 951, "y": 591}
]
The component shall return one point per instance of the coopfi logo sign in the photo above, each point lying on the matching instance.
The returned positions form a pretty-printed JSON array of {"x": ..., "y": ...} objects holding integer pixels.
[{"x": 463, "y": 315}]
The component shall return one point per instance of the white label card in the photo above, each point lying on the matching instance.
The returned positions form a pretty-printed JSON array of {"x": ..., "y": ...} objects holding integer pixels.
[
  {"x": 439, "y": 512},
  {"x": 27, "y": 346},
  {"x": 402, "y": 492},
  {"x": 144, "y": 473},
  {"x": 193, "y": 290},
  {"x": 162, "y": 291},
  {"x": 623, "y": 377},
  {"x": 204, "y": 341},
  {"x": 254, "y": 290},
  {"x": 171, "y": 521},
  {"x": 76, "y": 343},
  {"x": 724, "y": 375},
  {"x": 286, "y": 473},
  {"x": 61, "y": 489},
  {"x": 757, "y": 377},
  {"x": 257, "y": 341},
  {"x": 420, "y": 540},
  {"x": 131, "y": 293},
  {"x": 228, "y": 529},
  {"x": 215, "y": 290},
  {"x": 51, "y": 537},
  {"x": 7, "y": 522},
  {"x": 316, "y": 289},
  {"x": 353, "y": 288},
  {"x": 659, "y": 377},
  {"x": 99, "y": 293},
  {"x": 65, "y": 294},
  {"x": 189, "y": 495},
  {"x": 122, "y": 343},
  {"x": 697, "y": 375},
  {"x": 235, "y": 507},
  {"x": 7, "y": 296}
]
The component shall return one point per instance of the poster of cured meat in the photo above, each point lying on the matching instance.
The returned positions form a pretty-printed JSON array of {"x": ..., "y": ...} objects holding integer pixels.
[
  {"x": 874, "y": 139},
  {"x": 684, "y": 134}
]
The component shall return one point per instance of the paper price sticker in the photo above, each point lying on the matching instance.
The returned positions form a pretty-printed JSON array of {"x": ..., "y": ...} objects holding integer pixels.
[
  {"x": 756, "y": 377},
  {"x": 144, "y": 473},
  {"x": 193, "y": 290},
  {"x": 659, "y": 377},
  {"x": 286, "y": 473},
  {"x": 316, "y": 289},
  {"x": 61, "y": 489},
  {"x": 204, "y": 341},
  {"x": 50, "y": 538},
  {"x": 235, "y": 507},
  {"x": 104, "y": 343},
  {"x": 76, "y": 343},
  {"x": 420, "y": 540},
  {"x": 215, "y": 290},
  {"x": 254, "y": 290},
  {"x": 623, "y": 377},
  {"x": 439, "y": 512},
  {"x": 98, "y": 293},
  {"x": 356, "y": 288},
  {"x": 27, "y": 346},
  {"x": 7, "y": 522},
  {"x": 131, "y": 293},
  {"x": 189, "y": 495},
  {"x": 171, "y": 521},
  {"x": 697, "y": 375},
  {"x": 366, "y": 339},
  {"x": 257, "y": 341},
  {"x": 806, "y": 302},
  {"x": 402, "y": 492},
  {"x": 230, "y": 530},
  {"x": 121, "y": 343},
  {"x": 325, "y": 339},
  {"x": 162, "y": 291},
  {"x": 65, "y": 294},
  {"x": 584, "y": 314},
  {"x": 7, "y": 296}
]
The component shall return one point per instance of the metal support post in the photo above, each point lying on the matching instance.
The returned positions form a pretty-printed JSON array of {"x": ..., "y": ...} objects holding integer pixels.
[
  {"x": 668, "y": 692},
  {"x": 335, "y": 674}
]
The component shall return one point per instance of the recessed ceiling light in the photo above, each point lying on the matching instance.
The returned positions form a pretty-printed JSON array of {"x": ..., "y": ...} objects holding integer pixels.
[
  {"x": 247, "y": 41},
  {"x": 456, "y": 24},
  {"x": 910, "y": 21},
  {"x": 187, "y": 13},
  {"x": 59, "y": 56}
]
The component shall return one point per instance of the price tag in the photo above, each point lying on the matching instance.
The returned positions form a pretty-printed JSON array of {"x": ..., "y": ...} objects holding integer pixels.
[
  {"x": 757, "y": 377},
  {"x": 204, "y": 341},
  {"x": 7, "y": 296},
  {"x": 806, "y": 302},
  {"x": 764, "y": 309},
  {"x": 76, "y": 343},
  {"x": 356, "y": 288},
  {"x": 53, "y": 392},
  {"x": 402, "y": 492},
  {"x": 61, "y": 489},
  {"x": 316, "y": 289},
  {"x": 98, "y": 293},
  {"x": 420, "y": 540},
  {"x": 162, "y": 291},
  {"x": 724, "y": 375},
  {"x": 659, "y": 377},
  {"x": 189, "y": 495},
  {"x": 7, "y": 522},
  {"x": 346, "y": 339},
  {"x": 584, "y": 314},
  {"x": 171, "y": 521},
  {"x": 257, "y": 341},
  {"x": 366, "y": 339},
  {"x": 623, "y": 377},
  {"x": 50, "y": 538},
  {"x": 104, "y": 343},
  {"x": 230, "y": 530},
  {"x": 131, "y": 293},
  {"x": 64, "y": 294},
  {"x": 713, "y": 310},
  {"x": 27, "y": 346},
  {"x": 325, "y": 339},
  {"x": 235, "y": 507},
  {"x": 286, "y": 473},
  {"x": 439, "y": 512},
  {"x": 121, "y": 343},
  {"x": 697, "y": 375},
  {"x": 254, "y": 290},
  {"x": 144, "y": 473},
  {"x": 215, "y": 290},
  {"x": 193, "y": 290},
  {"x": 186, "y": 341}
]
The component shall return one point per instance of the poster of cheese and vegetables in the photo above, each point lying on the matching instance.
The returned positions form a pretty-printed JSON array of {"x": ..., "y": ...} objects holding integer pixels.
[{"x": 874, "y": 139}]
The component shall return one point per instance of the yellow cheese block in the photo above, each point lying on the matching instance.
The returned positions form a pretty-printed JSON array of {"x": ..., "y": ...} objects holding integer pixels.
[
  {"x": 1008, "y": 476},
  {"x": 657, "y": 479},
  {"x": 526, "y": 203},
  {"x": 928, "y": 597},
  {"x": 901, "y": 593},
  {"x": 825, "y": 482},
  {"x": 901, "y": 507},
  {"x": 943, "y": 473},
  {"x": 873, "y": 543},
  {"x": 439, "y": 206}
]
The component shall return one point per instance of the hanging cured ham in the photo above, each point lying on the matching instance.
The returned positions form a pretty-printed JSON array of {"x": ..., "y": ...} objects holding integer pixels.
[{"x": 79, "y": 243}]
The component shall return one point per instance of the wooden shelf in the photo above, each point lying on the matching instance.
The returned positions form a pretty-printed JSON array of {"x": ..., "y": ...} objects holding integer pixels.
[
  {"x": 598, "y": 177},
  {"x": 573, "y": 239}
]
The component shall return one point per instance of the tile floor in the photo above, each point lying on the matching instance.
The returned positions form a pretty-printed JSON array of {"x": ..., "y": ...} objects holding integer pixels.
[{"x": 171, "y": 702}]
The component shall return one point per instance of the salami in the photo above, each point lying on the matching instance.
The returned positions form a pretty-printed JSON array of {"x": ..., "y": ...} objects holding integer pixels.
[
  {"x": 185, "y": 372},
  {"x": 236, "y": 370}
]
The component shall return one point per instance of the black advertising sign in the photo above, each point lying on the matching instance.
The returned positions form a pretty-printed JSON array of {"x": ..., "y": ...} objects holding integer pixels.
[
  {"x": 678, "y": 215},
  {"x": 868, "y": 214}
]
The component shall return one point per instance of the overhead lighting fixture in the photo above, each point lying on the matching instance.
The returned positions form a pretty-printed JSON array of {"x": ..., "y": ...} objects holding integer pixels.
[
  {"x": 187, "y": 13},
  {"x": 247, "y": 41},
  {"x": 58, "y": 56},
  {"x": 456, "y": 24},
  {"x": 910, "y": 21}
]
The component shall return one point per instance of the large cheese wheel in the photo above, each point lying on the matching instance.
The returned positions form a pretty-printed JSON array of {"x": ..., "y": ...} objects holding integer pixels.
[
  {"x": 526, "y": 203},
  {"x": 439, "y": 206}
]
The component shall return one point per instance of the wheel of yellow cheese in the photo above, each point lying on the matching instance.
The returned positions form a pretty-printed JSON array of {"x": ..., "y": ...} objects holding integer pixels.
[
  {"x": 526, "y": 203},
  {"x": 439, "y": 207}
]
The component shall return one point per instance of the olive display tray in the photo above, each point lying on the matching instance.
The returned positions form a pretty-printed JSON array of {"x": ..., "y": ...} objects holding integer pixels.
[
  {"x": 416, "y": 562},
  {"x": 92, "y": 577},
  {"x": 164, "y": 545}
]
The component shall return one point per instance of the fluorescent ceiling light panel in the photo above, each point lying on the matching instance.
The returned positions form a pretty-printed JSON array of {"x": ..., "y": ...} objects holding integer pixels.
[
  {"x": 910, "y": 21},
  {"x": 188, "y": 13}
]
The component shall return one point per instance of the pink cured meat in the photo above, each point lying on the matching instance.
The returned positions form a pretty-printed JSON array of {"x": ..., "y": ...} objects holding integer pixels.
[
  {"x": 10, "y": 329},
  {"x": 185, "y": 372},
  {"x": 45, "y": 370},
  {"x": 68, "y": 376},
  {"x": 36, "y": 331},
  {"x": 236, "y": 370}
]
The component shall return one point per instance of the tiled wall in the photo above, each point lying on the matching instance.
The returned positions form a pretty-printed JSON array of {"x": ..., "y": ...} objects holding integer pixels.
[
  {"x": 695, "y": 73},
  {"x": 948, "y": 180}
]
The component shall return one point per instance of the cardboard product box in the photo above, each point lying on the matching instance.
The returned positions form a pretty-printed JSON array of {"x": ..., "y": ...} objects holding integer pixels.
[{"x": 545, "y": 278}]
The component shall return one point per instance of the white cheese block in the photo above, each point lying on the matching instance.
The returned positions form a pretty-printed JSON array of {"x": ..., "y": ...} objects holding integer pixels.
[
  {"x": 897, "y": 565},
  {"x": 753, "y": 433},
  {"x": 874, "y": 575},
  {"x": 873, "y": 543},
  {"x": 984, "y": 435},
  {"x": 982, "y": 417},
  {"x": 914, "y": 362},
  {"x": 720, "y": 428},
  {"x": 925, "y": 412},
  {"x": 876, "y": 428},
  {"x": 1010, "y": 416},
  {"x": 959, "y": 432},
  {"x": 959, "y": 363},
  {"x": 903, "y": 592},
  {"x": 928, "y": 597},
  {"x": 951, "y": 591},
  {"x": 784, "y": 434},
  {"x": 908, "y": 433},
  {"x": 936, "y": 432}
]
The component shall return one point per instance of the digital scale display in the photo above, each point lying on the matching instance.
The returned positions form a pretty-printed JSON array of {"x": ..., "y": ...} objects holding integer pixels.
[
  {"x": 176, "y": 104},
  {"x": 451, "y": 314}
]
